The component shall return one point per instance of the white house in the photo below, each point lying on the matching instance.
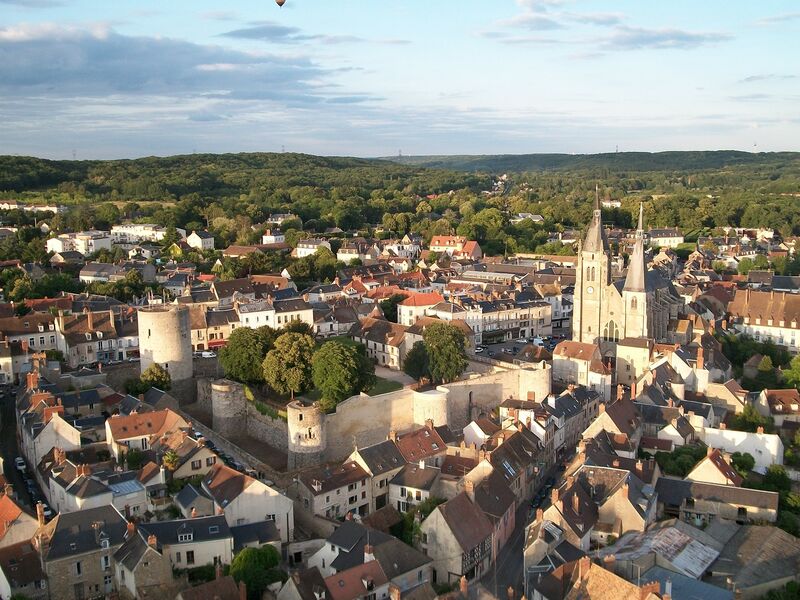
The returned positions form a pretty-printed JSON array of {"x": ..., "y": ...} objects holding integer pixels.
[
  {"x": 273, "y": 236},
  {"x": 201, "y": 240},
  {"x": 765, "y": 448},
  {"x": 244, "y": 500},
  {"x": 309, "y": 247},
  {"x": 193, "y": 542},
  {"x": 85, "y": 242}
]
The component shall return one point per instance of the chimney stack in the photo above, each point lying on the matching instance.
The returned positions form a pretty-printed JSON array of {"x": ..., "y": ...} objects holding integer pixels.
[
  {"x": 194, "y": 512},
  {"x": 620, "y": 391},
  {"x": 633, "y": 390},
  {"x": 469, "y": 488},
  {"x": 131, "y": 529},
  {"x": 576, "y": 504},
  {"x": 40, "y": 513},
  {"x": 760, "y": 429},
  {"x": 539, "y": 515},
  {"x": 700, "y": 361},
  {"x": 152, "y": 541},
  {"x": 602, "y": 407},
  {"x": 429, "y": 424},
  {"x": 394, "y": 592},
  {"x": 90, "y": 321},
  {"x": 393, "y": 435},
  {"x": 554, "y": 496},
  {"x": 463, "y": 586},
  {"x": 369, "y": 553},
  {"x": 709, "y": 451}
]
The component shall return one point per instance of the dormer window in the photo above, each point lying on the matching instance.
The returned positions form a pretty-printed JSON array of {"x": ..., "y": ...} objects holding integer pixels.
[
  {"x": 185, "y": 537},
  {"x": 99, "y": 335},
  {"x": 88, "y": 335}
]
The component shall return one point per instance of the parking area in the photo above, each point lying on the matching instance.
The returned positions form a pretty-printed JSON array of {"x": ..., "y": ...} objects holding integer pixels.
[{"x": 513, "y": 347}]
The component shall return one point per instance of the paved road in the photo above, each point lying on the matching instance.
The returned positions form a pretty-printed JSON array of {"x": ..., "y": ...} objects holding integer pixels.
[
  {"x": 9, "y": 450},
  {"x": 508, "y": 568}
]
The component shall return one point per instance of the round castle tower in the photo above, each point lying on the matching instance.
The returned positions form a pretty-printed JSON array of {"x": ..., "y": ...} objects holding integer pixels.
[
  {"x": 228, "y": 408},
  {"x": 307, "y": 439},
  {"x": 165, "y": 337}
]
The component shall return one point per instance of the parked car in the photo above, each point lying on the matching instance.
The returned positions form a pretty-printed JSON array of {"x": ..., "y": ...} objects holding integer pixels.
[
  {"x": 19, "y": 463},
  {"x": 208, "y": 354},
  {"x": 478, "y": 350}
]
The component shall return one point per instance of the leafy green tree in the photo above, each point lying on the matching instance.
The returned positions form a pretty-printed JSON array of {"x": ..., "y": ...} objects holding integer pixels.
[
  {"x": 389, "y": 306},
  {"x": 299, "y": 327},
  {"x": 241, "y": 358},
  {"x": 337, "y": 373},
  {"x": 257, "y": 568},
  {"x": 743, "y": 463},
  {"x": 157, "y": 376},
  {"x": 134, "y": 459},
  {"x": 750, "y": 420},
  {"x": 171, "y": 460},
  {"x": 776, "y": 478},
  {"x": 447, "y": 354},
  {"x": 792, "y": 375},
  {"x": 287, "y": 367},
  {"x": 417, "y": 363}
]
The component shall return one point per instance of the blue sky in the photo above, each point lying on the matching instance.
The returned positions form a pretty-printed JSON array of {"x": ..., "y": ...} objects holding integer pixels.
[{"x": 126, "y": 78}]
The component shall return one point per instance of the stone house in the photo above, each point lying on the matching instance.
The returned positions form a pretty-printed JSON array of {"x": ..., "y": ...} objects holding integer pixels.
[
  {"x": 715, "y": 468},
  {"x": 381, "y": 461},
  {"x": 582, "y": 364},
  {"x": 194, "y": 457},
  {"x": 21, "y": 573},
  {"x": 141, "y": 568},
  {"x": 191, "y": 543},
  {"x": 496, "y": 500},
  {"x": 620, "y": 417},
  {"x": 139, "y": 431},
  {"x": 457, "y": 535},
  {"x": 781, "y": 405},
  {"x": 336, "y": 491},
  {"x": 86, "y": 338},
  {"x": 244, "y": 499},
  {"x": 679, "y": 431},
  {"x": 701, "y": 503},
  {"x": 412, "y": 485},
  {"x": 574, "y": 511},
  {"x": 366, "y": 580},
  {"x": 15, "y": 525},
  {"x": 383, "y": 340},
  {"x": 77, "y": 552}
]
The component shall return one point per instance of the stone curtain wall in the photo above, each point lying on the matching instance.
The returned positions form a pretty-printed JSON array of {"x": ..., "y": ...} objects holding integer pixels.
[{"x": 263, "y": 428}]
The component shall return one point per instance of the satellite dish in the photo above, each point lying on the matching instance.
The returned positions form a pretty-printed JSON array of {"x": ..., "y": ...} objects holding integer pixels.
[{"x": 280, "y": 2}]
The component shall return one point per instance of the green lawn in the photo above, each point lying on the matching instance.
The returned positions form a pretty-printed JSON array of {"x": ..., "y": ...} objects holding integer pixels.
[{"x": 382, "y": 386}]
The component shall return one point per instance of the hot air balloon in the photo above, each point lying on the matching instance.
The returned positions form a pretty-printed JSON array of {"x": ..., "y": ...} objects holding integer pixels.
[{"x": 280, "y": 2}]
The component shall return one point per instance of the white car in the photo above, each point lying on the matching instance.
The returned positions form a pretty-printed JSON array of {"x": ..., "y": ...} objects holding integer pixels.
[
  {"x": 478, "y": 350},
  {"x": 208, "y": 354},
  {"x": 19, "y": 463}
]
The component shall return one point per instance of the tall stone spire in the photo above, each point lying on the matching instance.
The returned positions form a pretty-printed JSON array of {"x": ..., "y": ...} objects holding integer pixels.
[
  {"x": 596, "y": 240},
  {"x": 635, "y": 279}
]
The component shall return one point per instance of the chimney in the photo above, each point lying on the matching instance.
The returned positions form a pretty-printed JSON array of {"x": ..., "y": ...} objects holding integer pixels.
[
  {"x": 554, "y": 495},
  {"x": 700, "y": 361},
  {"x": 723, "y": 426},
  {"x": 633, "y": 390},
  {"x": 609, "y": 562},
  {"x": 348, "y": 516},
  {"x": 654, "y": 587},
  {"x": 33, "y": 380},
  {"x": 602, "y": 407},
  {"x": 394, "y": 592},
  {"x": 393, "y": 435},
  {"x": 583, "y": 566},
  {"x": 469, "y": 488},
  {"x": 625, "y": 489},
  {"x": 576, "y": 504},
  {"x": 709, "y": 451},
  {"x": 539, "y": 515},
  {"x": 639, "y": 466},
  {"x": 429, "y": 424},
  {"x": 463, "y": 586},
  {"x": 152, "y": 541},
  {"x": 59, "y": 455},
  {"x": 760, "y": 429},
  {"x": 510, "y": 593},
  {"x": 242, "y": 590},
  {"x": 90, "y": 321},
  {"x": 532, "y": 396},
  {"x": 40, "y": 513},
  {"x": 667, "y": 590},
  {"x": 194, "y": 513},
  {"x": 570, "y": 481},
  {"x": 131, "y": 529},
  {"x": 369, "y": 553}
]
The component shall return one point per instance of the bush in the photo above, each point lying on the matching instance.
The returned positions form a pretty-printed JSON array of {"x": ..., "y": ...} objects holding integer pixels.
[{"x": 257, "y": 567}]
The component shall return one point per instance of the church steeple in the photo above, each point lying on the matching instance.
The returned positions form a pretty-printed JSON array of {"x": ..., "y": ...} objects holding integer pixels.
[
  {"x": 635, "y": 279},
  {"x": 596, "y": 240}
]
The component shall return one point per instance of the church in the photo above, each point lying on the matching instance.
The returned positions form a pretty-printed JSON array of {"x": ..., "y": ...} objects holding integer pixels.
[{"x": 634, "y": 311}]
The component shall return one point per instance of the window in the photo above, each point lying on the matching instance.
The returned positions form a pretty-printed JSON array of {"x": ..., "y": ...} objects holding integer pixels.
[
  {"x": 78, "y": 569},
  {"x": 213, "y": 529},
  {"x": 190, "y": 557},
  {"x": 402, "y": 492},
  {"x": 418, "y": 495},
  {"x": 211, "y": 460},
  {"x": 196, "y": 464},
  {"x": 185, "y": 537},
  {"x": 104, "y": 544},
  {"x": 41, "y": 340},
  {"x": 177, "y": 557}
]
